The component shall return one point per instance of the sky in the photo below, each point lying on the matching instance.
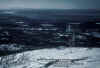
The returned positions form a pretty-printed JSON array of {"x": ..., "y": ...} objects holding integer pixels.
[{"x": 50, "y": 4}]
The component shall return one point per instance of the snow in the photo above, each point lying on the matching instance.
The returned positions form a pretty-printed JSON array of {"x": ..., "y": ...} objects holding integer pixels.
[
  {"x": 95, "y": 34},
  {"x": 50, "y": 58},
  {"x": 9, "y": 12},
  {"x": 10, "y": 47}
]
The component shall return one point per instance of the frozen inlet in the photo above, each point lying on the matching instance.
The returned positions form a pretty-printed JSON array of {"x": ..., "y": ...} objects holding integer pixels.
[
  {"x": 20, "y": 22},
  {"x": 69, "y": 27},
  {"x": 98, "y": 23},
  {"x": 72, "y": 28}
]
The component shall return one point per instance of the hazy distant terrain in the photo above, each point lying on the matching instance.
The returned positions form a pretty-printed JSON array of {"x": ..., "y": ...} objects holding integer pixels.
[{"x": 24, "y": 26}]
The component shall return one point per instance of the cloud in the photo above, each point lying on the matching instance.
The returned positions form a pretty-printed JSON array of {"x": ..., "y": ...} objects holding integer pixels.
[{"x": 58, "y": 4}]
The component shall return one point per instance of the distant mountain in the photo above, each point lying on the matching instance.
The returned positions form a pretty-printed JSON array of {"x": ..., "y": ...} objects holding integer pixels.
[{"x": 54, "y": 15}]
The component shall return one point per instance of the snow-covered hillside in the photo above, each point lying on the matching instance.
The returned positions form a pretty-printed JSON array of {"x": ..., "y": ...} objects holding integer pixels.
[{"x": 61, "y": 57}]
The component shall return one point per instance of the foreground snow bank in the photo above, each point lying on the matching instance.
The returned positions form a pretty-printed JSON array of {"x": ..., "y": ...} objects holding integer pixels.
[{"x": 54, "y": 58}]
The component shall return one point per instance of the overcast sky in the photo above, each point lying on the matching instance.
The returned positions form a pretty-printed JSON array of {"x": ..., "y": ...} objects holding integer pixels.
[{"x": 51, "y": 4}]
